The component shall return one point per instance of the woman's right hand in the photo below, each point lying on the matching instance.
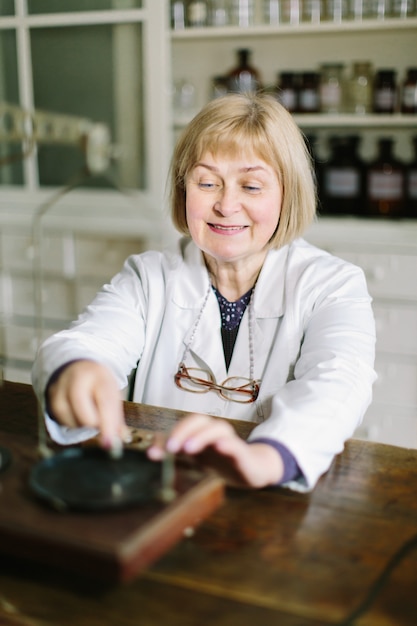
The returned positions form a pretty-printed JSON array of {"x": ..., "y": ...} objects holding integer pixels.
[{"x": 86, "y": 394}]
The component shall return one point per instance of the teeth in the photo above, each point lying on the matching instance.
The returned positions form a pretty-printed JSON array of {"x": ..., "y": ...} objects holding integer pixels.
[{"x": 227, "y": 227}]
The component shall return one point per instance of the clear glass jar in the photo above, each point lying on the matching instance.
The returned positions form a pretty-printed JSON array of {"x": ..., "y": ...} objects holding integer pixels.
[
  {"x": 271, "y": 11},
  {"x": 197, "y": 13},
  {"x": 243, "y": 12},
  {"x": 332, "y": 88},
  {"x": 312, "y": 11},
  {"x": 403, "y": 8},
  {"x": 178, "y": 14},
  {"x": 219, "y": 13},
  {"x": 360, "y": 88},
  {"x": 290, "y": 11},
  {"x": 337, "y": 10}
]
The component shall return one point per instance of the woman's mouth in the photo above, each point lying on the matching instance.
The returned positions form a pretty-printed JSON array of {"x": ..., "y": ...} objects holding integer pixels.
[{"x": 226, "y": 229}]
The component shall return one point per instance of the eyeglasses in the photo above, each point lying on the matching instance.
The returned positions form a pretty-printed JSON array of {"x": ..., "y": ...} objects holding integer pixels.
[{"x": 235, "y": 388}]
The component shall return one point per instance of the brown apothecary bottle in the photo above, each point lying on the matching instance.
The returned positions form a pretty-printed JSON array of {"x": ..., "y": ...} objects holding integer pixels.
[
  {"x": 244, "y": 78},
  {"x": 409, "y": 92},
  {"x": 385, "y": 182}
]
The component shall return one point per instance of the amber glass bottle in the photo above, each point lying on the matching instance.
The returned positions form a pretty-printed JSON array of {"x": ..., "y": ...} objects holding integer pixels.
[
  {"x": 409, "y": 92},
  {"x": 385, "y": 182},
  {"x": 287, "y": 91},
  {"x": 343, "y": 178},
  {"x": 411, "y": 191},
  {"x": 244, "y": 78}
]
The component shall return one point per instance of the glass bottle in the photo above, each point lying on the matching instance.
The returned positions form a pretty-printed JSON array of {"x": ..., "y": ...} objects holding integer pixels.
[
  {"x": 178, "y": 14},
  {"x": 287, "y": 91},
  {"x": 403, "y": 8},
  {"x": 219, "y": 13},
  {"x": 360, "y": 88},
  {"x": 343, "y": 178},
  {"x": 409, "y": 92},
  {"x": 244, "y": 78},
  {"x": 243, "y": 12},
  {"x": 385, "y": 91},
  {"x": 197, "y": 13},
  {"x": 312, "y": 11},
  {"x": 219, "y": 86},
  {"x": 308, "y": 96},
  {"x": 271, "y": 11},
  {"x": 331, "y": 88},
  {"x": 311, "y": 143},
  {"x": 290, "y": 11},
  {"x": 337, "y": 10},
  {"x": 385, "y": 182},
  {"x": 411, "y": 184}
]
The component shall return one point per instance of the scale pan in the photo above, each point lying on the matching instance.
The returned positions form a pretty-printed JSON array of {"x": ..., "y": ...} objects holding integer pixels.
[
  {"x": 5, "y": 458},
  {"x": 88, "y": 479}
]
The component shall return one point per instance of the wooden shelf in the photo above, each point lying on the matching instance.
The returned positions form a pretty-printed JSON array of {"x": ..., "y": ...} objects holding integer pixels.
[
  {"x": 343, "y": 121},
  {"x": 211, "y": 32}
]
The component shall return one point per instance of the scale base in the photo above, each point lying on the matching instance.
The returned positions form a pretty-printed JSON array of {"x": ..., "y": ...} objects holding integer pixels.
[{"x": 112, "y": 545}]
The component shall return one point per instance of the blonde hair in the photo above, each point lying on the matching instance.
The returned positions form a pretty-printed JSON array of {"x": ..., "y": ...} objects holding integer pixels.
[{"x": 241, "y": 123}]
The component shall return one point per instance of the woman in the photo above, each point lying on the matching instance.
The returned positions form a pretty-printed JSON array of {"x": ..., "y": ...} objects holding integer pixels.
[{"x": 242, "y": 319}]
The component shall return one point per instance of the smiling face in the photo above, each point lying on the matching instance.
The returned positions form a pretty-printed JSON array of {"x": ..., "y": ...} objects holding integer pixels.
[{"x": 232, "y": 208}]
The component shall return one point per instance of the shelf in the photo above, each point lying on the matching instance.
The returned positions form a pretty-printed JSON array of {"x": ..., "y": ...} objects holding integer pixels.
[
  {"x": 350, "y": 26},
  {"x": 350, "y": 120},
  {"x": 343, "y": 121}
]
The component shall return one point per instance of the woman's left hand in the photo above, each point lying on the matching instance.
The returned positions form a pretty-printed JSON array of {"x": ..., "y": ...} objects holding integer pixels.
[{"x": 216, "y": 444}]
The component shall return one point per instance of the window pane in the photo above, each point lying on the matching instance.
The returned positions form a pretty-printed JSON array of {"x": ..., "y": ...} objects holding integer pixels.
[
  {"x": 7, "y": 7},
  {"x": 11, "y": 169},
  {"x": 93, "y": 72},
  {"x": 52, "y": 6}
]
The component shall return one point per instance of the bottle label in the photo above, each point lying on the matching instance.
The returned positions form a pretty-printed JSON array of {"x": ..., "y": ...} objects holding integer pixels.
[
  {"x": 288, "y": 98},
  {"x": 331, "y": 95},
  {"x": 385, "y": 99},
  {"x": 342, "y": 182},
  {"x": 385, "y": 186},
  {"x": 412, "y": 185},
  {"x": 309, "y": 100},
  {"x": 245, "y": 82},
  {"x": 410, "y": 96},
  {"x": 197, "y": 13}
]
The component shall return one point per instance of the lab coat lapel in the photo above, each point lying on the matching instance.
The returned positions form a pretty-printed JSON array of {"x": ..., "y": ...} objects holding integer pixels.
[
  {"x": 206, "y": 346},
  {"x": 268, "y": 307}
]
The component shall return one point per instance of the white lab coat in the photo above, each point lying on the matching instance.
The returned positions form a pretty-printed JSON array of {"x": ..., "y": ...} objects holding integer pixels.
[{"x": 314, "y": 341}]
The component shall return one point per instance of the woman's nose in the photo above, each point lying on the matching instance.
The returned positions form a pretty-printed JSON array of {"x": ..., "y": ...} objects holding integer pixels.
[{"x": 228, "y": 202}]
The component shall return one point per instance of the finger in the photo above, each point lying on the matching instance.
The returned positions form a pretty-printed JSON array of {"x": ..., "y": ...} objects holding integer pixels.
[
  {"x": 197, "y": 432},
  {"x": 156, "y": 451},
  {"x": 109, "y": 414}
]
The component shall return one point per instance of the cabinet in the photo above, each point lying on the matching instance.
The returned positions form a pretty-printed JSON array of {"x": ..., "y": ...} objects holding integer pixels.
[
  {"x": 387, "y": 252},
  {"x": 199, "y": 54}
]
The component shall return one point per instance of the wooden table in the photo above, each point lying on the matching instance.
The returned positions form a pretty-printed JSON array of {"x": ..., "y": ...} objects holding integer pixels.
[{"x": 265, "y": 558}]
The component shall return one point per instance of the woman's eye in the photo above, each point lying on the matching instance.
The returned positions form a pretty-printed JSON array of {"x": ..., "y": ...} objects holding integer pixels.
[
  {"x": 206, "y": 185},
  {"x": 252, "y": 188}
]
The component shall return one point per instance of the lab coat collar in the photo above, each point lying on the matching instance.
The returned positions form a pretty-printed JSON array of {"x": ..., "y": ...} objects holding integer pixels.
[
  {"x": 269, "y": 292},
  {"x": 268, "y": 303}
]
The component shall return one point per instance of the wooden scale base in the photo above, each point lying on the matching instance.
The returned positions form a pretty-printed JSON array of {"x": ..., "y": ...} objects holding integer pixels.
[{"x": 112, "y": 546}]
